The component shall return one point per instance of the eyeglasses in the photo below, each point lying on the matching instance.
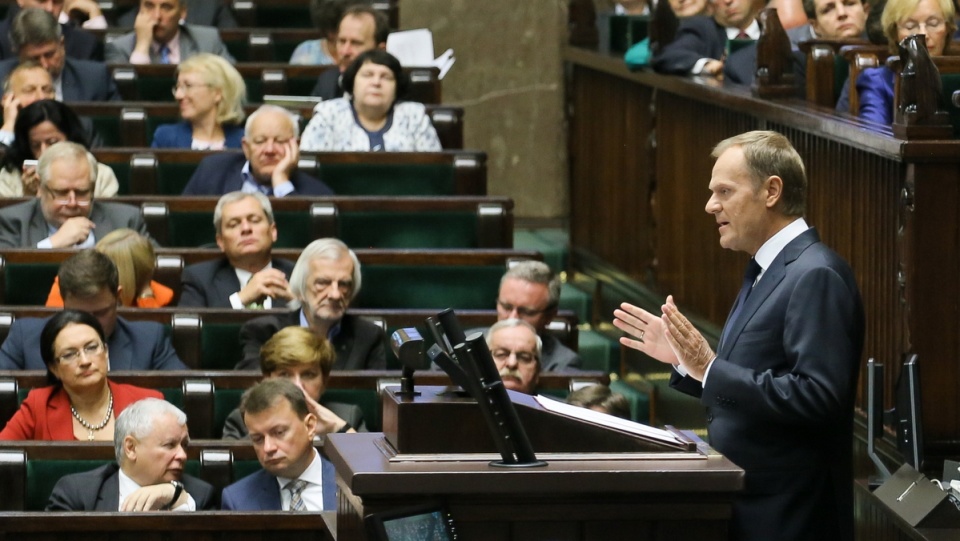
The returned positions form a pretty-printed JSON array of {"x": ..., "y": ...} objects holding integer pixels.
[
  {"x": 522, "y": 311},
  {"x": 73, "y": 355},
  {"x": 932, "y": 23},
  {"x": 80, "y": 198},
  {"x": 523, "y": 357},
  {"x": 186, "y": 87}
]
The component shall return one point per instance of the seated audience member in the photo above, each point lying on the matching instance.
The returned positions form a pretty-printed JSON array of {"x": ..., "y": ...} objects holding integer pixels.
[
  {"x": 530, "y": 291},
  {"x": 201, "y": 12},
  {"x": 639, "y": 55},
  {"x": 601, "y": 398},
  {"x": 39, "y": 126},
  {"x": 361, "y": 29},
  {"x": 27, "y": 83},
  {"x": 268, "y": 164},
  {"x": 210, "y": 93},
  {"x": 79, "y": 44},
  {"x": 326, "y": 15},
  {"x": 296, "y": 354},
  {"x": 702, "y": 43},
  {"x": 371, "y": 118},
  {"x": 65, "y": 213},
  {"x": 38, "y": 37},
  {"x": 81, "y": 402},
  {"x": 901, "y": 18},
  {"x": 246, "y": 276},
  {"x": 515, "y": 348},
  {"x": 295, "y": 477},
  {"x": 150, "y": 440},
  {"x": 89, "y": 282},
  {"x": 134, "y": 257},
  {"x": 159, "y": 37},
  {"x": 831, "y": 19},
  {"x": 324, "y": 281}
]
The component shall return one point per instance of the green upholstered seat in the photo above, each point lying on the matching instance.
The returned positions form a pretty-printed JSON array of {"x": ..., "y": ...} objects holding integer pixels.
[
  {"x": 429, "y": 286},
  {"x": 372, "y": 179}
]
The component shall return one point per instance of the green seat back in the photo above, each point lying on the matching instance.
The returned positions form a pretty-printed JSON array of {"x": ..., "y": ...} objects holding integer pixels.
[
  {"x": 155, "y": 87},
  {"x": 29, "y": 283},
  {"x": 192, "y": 229},
  {"x": 122, "y": 170},
  {"x": 224, "y": 402},
  {"x": 243, "y": 468},
  {"x": 220, "y": 346},
  {"x": 172, "y": 178},
  {"x": 283, "y": 16},
  {"x": 430, "y": 286},
  {"x": 367, "y": 400},
  {"x": 239, "y": 47},
  {"x": 406, "y": 230},
  {"x": 734, "y": 45},
  {"x": 174, "y": 395},
  {"x": 42, "y": 475},
  {"x": 108, "y": 128},
  {"x": 374, "y": 179},
  {"x": 841, "y": 71},
  {"x": 626, "y": 30},
  {"x": 639, "y": 401}
]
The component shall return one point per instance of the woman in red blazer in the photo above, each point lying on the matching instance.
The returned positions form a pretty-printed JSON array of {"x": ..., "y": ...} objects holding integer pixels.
[{"x": 81, "y": 403}]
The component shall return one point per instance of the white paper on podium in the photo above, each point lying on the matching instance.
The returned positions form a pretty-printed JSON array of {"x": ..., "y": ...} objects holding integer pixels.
[
  {"x": 604, "y": 419},
  {"x": 414, "y": 48}
]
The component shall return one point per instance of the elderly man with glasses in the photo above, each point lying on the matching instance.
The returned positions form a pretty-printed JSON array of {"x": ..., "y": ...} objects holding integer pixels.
[{"x": 65, "y": 214}]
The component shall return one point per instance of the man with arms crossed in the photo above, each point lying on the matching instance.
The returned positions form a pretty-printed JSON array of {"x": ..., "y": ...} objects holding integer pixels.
[{"x": 779, "y": 390}]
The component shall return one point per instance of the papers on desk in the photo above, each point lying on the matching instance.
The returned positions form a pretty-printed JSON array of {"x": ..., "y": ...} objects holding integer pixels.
[
  {"x": 414, "y": 48},
  {"x": 610, "y": 421}
]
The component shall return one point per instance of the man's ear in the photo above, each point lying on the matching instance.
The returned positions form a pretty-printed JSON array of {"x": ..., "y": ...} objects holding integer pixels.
[
  {"x": 772, "y": 191},
  {"x": 310, "y": 421},
  {"x": 130, "y": 448}
]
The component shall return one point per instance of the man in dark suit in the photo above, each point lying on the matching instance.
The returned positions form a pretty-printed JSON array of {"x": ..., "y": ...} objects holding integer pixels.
[
  {"x": 281, "y": 428},
  {"x": 246, "y": 277},
  {"x": 151, "y": 438},
  {"x": 79, "y": 43},
  {"x": 779, "y": 390},
  {"x": 702, "y": 44},
  {"x": 268, "y": 164},
  {"x": 516, "y": 351},
  {"x": 89, "y": 282},
  {"x": 324, "y": 281},
  {"x": 361, "y": 29},
  {"x": 159, "y": 37},
  {"x": 37, "y": 36},
  {"x": 65, "y": 214}
]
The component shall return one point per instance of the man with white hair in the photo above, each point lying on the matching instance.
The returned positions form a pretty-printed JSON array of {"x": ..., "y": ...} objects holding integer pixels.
[
  {"x": 324, "y": 281},
  {"x": 268, "y": 164},
  {"x": 150, "y": 438},
  {"x": 516, "y": 349}
]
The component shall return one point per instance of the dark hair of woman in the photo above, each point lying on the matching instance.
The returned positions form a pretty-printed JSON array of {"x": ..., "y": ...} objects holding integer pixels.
[
  {"x": 48, "y": 336},
  {"x": 36, "y": 113},
  {"x": 383, "y": 58}
]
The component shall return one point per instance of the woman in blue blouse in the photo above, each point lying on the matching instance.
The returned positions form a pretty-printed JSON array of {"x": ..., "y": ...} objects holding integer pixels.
[
  {"x": 901, "y": 18},
  {"x": 210, "y": 92}
]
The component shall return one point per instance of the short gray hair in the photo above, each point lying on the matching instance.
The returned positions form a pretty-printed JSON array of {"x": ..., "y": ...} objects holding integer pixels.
[
  {"x": 65, "y": 150},
  {"x": 233, "y": 197},
  {"x": 34, "y": 26},
  {"x": 536, "y": 272},
  {"x": 510, "y": 323},
  {"x": 294, "y": 121},
  {"x": 327, "y": 248},
  {"x": 137, "y": 420}
]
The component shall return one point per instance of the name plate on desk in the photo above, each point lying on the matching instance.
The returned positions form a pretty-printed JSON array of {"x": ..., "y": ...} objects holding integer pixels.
[{"x": 912, "y": 496}]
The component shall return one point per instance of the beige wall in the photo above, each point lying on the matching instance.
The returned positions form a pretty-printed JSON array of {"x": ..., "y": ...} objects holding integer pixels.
[{"x": 508, "y": 78}]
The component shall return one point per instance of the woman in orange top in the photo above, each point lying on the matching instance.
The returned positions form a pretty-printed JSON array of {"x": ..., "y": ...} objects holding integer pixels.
[{"x": 133, "y": 255}]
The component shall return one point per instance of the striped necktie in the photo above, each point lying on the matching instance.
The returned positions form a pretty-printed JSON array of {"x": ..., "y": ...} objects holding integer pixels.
[
  {"x": 164, "y": 54},
  {"x": 295, "y": 488}
]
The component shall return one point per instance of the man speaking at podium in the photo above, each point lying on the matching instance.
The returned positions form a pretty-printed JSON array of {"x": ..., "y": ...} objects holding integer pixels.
[{"x": 779, "y": 390}]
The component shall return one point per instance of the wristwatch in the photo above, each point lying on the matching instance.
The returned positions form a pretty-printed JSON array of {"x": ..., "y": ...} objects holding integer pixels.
[{"x": 177, "y": 491}]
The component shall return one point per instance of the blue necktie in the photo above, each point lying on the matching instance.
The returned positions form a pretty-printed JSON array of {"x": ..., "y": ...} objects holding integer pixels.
[
  {"x": 164, "y": 55},
  {"x": 749, "y": 277},
  {"x": 296, "y": 489}
]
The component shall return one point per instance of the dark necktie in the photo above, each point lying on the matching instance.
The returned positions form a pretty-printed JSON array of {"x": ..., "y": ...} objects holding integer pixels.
[
  {"x": 164, "y": 55},
  {"x": 743, "y": 35},
  {"x": 749, "y": 277}
]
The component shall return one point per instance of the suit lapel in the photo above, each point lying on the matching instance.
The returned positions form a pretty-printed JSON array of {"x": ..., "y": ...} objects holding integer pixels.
[
  {"x": 188, "y": 45},
  {"x": 108, "y": 497},
  {"x": 120, "y": 349},
  {"x": 769, "y": 282},
  {"x": 268, "y": 497},
  {"x": 329, "y": 485},
  {"x": 38, "y": 229},
  {"x": 225, "y": 280}
]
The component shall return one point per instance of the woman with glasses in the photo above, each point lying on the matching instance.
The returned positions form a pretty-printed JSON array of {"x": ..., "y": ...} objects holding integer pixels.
[
  {"x": 81, "y": 403},
  {"x": 902, "y": 18},
  {"x": 210, "y": 93},
  {"x": 40, "y": 125}
]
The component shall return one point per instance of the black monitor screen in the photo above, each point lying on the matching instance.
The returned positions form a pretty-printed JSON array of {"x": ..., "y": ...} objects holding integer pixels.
[{"x": 412, "y": 524}]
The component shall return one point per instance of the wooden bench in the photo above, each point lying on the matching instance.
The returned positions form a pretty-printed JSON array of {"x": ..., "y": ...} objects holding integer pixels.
[
  {"x": 132, "y": 123},
  {"x": 146, "y": 171}
]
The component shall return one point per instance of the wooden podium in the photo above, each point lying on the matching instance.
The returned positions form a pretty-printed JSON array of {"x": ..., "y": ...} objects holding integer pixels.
[{"x": 607, "y": 493}]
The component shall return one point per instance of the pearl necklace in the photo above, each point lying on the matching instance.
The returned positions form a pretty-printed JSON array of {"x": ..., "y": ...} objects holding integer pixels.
[{"x": 91, "y": 428}]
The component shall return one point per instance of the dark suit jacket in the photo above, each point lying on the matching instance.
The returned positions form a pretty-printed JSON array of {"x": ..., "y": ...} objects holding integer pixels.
[
  {"x": 359, "y": 344},
  {"x": 328, "y": 85},
  {"x": 260, "y": 491},
  {"x": 202, "y": 12},
  {"x": 235, "y": 429},
  {"x": 557, "y": 357},
  {"x": 698, "y": 37},
  {"x": 99, "y": 490},
  {"x": 193, "y": 39},
  {"x": 210, "y": 283},
  {"x": 82, "y": 80},
  {"x": 180, "y": 135},
  {"x": 780, "y": 394},
  {"x": 78, "y": 43},
  {"x": 23, "y": 225},
  {"x": 219, "y": 173},
  {"x": 134, "y": 345}
]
